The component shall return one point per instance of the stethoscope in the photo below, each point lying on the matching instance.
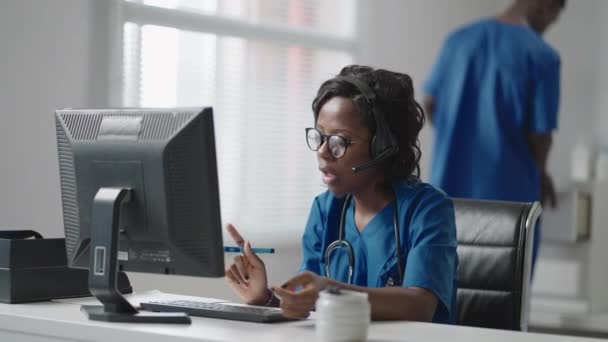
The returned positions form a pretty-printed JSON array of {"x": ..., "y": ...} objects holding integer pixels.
[{"x": 341, "y": 242}]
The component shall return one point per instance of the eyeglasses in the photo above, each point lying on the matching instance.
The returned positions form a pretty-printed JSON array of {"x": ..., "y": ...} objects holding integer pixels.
[{"x": 336, "y": 144}]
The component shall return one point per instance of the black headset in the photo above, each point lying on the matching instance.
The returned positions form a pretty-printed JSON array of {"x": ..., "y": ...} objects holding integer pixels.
[{"x": 384, "y": 145}]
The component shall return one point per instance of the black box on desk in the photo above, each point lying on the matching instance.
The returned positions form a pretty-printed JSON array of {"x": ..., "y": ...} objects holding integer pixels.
[{"x": 33, "y": 270}]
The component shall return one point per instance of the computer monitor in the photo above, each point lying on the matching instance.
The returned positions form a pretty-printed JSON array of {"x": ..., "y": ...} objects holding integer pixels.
[{"x": 140, "y": 193}]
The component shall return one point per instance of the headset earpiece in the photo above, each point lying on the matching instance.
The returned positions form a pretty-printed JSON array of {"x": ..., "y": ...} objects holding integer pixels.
[
  {"x": 383, "y": 140},
  {"x": 373, "y": 148}
]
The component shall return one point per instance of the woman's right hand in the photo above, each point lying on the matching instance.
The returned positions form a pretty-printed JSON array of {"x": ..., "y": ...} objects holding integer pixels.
[{"x": 247, "y": 274}]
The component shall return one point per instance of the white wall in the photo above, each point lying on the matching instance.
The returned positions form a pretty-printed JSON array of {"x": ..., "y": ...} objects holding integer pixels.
[
  {"x": 601, "y": 70},
  {"x": 44, "y": 66}
]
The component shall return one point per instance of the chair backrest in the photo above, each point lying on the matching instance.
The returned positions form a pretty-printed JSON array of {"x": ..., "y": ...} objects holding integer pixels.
[{"x": 495, "y": 255}]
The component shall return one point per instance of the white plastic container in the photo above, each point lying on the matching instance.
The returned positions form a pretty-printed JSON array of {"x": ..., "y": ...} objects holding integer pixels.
[{"x": 342, "y": 315}]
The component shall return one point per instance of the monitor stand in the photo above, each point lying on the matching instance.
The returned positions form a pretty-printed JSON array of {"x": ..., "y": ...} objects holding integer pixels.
[{"x": 103, "y": 265}]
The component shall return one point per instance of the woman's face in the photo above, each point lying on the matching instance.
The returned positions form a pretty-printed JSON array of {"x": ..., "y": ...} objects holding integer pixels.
[{"x": 340, "y": 116}]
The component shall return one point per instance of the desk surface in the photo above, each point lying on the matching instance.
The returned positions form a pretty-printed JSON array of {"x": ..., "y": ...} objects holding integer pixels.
[{"x": 54, "y": 321}]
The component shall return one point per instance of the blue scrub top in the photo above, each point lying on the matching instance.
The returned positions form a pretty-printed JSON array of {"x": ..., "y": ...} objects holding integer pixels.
[
  {"x": 493, "y": 84},
  {"x": 428, "y": 243}
]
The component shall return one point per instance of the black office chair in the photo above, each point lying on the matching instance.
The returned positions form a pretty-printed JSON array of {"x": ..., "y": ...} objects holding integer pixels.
[{"x": 495, "y": 257}]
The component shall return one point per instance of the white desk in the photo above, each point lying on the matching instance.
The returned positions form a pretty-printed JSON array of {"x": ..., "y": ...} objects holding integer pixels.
[{"x": 61, "y": 321}]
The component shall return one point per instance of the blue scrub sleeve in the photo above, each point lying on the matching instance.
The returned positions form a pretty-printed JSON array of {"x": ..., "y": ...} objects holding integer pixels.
[
  {"x": 312, "y": 241},
  {"x": 546, "y": 93},
  {"x": 432, "y": 260}
]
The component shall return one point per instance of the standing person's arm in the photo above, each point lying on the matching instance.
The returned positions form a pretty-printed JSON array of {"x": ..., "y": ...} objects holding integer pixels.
[
  {"x": 540, "y": 145},
  {"x": 543, "y": 120}
]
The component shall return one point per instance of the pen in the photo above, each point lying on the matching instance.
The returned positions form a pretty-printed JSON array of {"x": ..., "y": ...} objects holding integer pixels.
[{"x": 234, "y": 249}]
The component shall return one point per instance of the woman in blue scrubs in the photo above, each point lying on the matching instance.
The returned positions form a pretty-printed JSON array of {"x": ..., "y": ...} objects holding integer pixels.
[{"x": 378, "y": 229}]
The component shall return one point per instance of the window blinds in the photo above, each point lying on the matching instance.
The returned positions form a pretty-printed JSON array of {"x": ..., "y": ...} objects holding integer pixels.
[{"x": 260, "y": 84}]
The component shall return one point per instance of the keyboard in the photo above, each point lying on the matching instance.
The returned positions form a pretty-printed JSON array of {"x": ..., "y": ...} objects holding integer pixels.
[{"x": 259, "y": 314}]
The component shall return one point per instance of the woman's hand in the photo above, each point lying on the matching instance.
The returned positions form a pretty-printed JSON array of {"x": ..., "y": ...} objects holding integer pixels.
[
  {"x": 247, "y": 274},
  {"x": 298, "y": 304}
]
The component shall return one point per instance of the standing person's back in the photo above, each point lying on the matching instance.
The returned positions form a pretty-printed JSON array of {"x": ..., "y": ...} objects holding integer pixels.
[
  {"x": 493, "y": 98},
  {"x": 501, "y": 81}
]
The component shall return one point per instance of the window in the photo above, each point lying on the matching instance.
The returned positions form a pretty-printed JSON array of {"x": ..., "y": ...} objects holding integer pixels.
[{"x": 259, "y": 64}]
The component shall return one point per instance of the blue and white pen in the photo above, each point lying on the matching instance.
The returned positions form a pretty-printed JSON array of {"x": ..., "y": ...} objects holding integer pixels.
[{"x": 235, "y": 249}]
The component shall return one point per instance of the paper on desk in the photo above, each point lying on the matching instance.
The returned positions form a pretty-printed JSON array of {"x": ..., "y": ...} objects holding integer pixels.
[{"x": 137, "y": 298}]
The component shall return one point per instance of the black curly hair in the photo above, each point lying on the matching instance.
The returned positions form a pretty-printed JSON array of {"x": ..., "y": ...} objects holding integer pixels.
[{"x": 394, "y": 100}]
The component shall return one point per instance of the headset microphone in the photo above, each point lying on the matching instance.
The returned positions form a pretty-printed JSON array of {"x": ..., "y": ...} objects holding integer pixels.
[{"x": 389, "y": 152}]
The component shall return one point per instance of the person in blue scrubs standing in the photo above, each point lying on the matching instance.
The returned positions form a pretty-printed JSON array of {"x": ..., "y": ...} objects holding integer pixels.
[
  {"x": 401, "y": 232},
  {"x": 493, "y": 98}
]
